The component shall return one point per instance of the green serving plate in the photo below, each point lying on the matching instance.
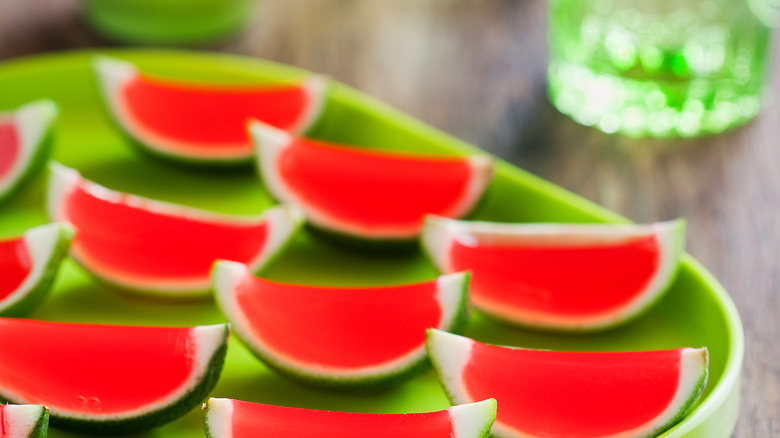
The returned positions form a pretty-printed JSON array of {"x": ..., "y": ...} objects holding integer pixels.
[{"x": 696, "y": 311}]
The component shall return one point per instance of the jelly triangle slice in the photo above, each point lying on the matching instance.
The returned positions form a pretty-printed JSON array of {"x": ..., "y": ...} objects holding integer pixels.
[
  {"x": 339, "y": 336},
  {"x": 109, "y": 379},
  {"x": 367, "y": 193},
  {"x": 156, "y": 247},
  {"x": 553, "y": 394},
  {"x": 226, "y": 418},
  {"x": 572, "y": 277},
  {"x": 29, "y": 264},
  {"x": 25, "y": 140},
  {"x": 202, "y": 122}
]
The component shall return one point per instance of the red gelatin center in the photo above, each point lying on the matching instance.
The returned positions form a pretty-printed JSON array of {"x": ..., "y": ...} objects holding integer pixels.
[
  {"x": 92, "y": 369},
  {"x": 134, "y": 243},
  {"x": 253, "y": 420},
  {"x": 561, "y": 280},
  {"x": 372, "y": 188},
  {"x": 558, "y": 395},
  {"x": 15, "y": 265},
  {"x": 208, "y": 115},
  {"x": 340, "y": 328},
  {"x": 9, "y": 148},
  {"x": 4, "y": 429}
]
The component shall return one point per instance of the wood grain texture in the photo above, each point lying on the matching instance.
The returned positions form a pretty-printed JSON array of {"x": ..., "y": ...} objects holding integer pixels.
[{"x": 476, "y": 69}]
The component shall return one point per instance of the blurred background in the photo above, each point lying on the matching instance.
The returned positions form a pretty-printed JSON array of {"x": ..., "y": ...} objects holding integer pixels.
[{"x": 477, "y": 70}]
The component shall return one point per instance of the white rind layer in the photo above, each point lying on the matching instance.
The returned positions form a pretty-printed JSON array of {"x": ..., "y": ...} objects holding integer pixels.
[
  {"x": 451, "y": 353},
  {"x": 206, "y": 341},
  {"x": 219, "y": 417},
  {"x": 282, "y": 221},
  {"x": 316, "y": 88},
  {"x": 62, "y": 181},
  {"x": 482, "y": 174},
  {"x": 473, "y": 420},
  {"x": 114, "y": 75},
  {"x": 33, "y": 121},
  {"x": 41, "y": 244},
  {"x": 20, "y": 420},
  {"x": 269, "y": 142},
  {"x": 439, "y": 234},
  {"x": 227, "y": 276}
]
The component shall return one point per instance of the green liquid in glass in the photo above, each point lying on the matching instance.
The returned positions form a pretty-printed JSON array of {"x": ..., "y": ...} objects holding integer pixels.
[
  {"x": 657, "y": 68},
  {"x": 168, "y": 22}
]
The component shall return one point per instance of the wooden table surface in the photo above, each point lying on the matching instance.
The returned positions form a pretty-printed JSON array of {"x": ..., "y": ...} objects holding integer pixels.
[{"x": 476, "y": 69}]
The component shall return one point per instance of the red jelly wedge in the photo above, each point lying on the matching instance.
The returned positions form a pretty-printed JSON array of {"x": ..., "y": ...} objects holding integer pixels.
[
  {"x": 572, "y": 277},
  {"x": 553, "y": 394},
  {"x": 339, "y": 336},
  {"x": 201, "y": 122},
  {"x": 364, "y": 193},
  {"x": 156, "y": 247},
  {"x": 109, "y": 379}
]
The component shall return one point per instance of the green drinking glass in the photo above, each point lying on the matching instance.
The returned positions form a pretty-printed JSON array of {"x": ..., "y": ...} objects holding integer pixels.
[
  {"x": 168, "y": 22},
  {"x": 659, "y": 68}
]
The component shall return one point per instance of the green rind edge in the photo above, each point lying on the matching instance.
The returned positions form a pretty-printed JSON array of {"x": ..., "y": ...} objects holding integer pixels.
[
  {"x": 366, "y": 245},
  {"x": 679, "y": 250},
  {"x": 363, "y": 384},
  {"x": 41, "y": 429},
  {"x": 206, "y": 427},
  {"x": 295, "y": 232},
  {"x": 688, "y": 406},
  {"x": 37, "y": 161},
  {"x": 157, "y": 417},
  {"x": 379, "y": 245},
  {"x": 489, "y": 420},
  {"x": 36, "y": 295},
  {"x": 437, "y": 367}
]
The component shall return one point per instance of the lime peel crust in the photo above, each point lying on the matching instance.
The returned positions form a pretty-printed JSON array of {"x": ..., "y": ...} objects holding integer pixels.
[
  {"x": 23, "y": 421},
  {"x": 450, "y": 355},
  {"x": 440, "y": 234},
  {"x": 47, "y": 245},
  {"x": 34, "y": 122},
  {"x": 473, "y": 419},
  {"x": 227, "y": 276},
  {"x": 218, "y": 415}
]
